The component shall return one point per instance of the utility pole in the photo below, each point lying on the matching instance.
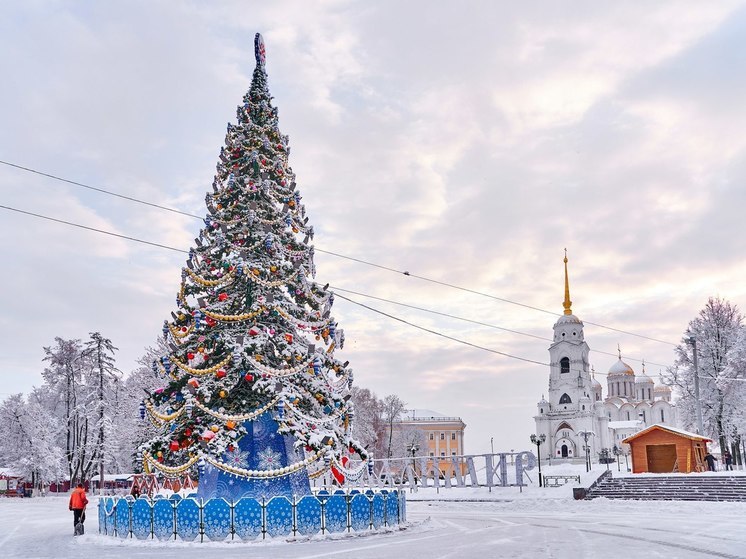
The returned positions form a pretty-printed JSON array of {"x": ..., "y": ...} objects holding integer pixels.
[{"x": 698, "y": 405}]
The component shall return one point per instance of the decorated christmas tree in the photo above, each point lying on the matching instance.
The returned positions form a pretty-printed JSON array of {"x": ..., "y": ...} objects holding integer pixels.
[{"x": 254, "y": 399}]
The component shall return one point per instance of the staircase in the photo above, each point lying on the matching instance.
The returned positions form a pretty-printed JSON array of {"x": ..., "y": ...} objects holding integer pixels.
[{"x": 669, "y": 488}]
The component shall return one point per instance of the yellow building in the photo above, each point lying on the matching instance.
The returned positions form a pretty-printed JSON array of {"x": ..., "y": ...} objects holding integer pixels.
[{"x": 426, "y": 433}]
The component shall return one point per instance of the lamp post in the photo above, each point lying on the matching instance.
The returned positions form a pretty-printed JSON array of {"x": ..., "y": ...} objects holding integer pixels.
[
  {"x": 617, "y": 452},
  {"x": 692, "y": 341},
  {"x": 413, "y": 447},
  {"x": 492, "y": 445},
  {"x": 586, "y": 435},
  {"x": 626, "y": 463},
  {"x": 537, "y": 440}
]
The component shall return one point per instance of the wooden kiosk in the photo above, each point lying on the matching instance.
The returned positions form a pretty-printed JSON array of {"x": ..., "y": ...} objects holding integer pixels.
[{"x": 666, "y": 449}]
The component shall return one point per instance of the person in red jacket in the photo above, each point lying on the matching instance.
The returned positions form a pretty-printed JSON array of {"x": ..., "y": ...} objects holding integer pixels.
[{"x": 78, "y": 501}]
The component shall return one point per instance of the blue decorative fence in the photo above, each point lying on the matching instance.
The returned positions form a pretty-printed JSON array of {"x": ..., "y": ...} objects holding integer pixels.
[{"x": 249, "y": 519}]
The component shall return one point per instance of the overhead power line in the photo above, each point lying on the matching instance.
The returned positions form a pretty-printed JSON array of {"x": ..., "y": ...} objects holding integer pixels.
[
  {"x": 70, "y": 223},
  {"x": 97, "y": 189},
  {"x": 477, "y": 322},
  {"x": 435, "y": 332},
  {"x": 337, "y": 255}
]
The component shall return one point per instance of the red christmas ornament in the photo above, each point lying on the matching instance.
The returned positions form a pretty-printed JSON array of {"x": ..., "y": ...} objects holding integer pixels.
[
  {"x": 174, "y": 446},
  {"x": 249, "y": 377},
  {"x": 188, "y": 432},
  {"x": 220, "y": 374},
  {"x": 190, "y": 356},
  {"x": 222, "y": 297}
]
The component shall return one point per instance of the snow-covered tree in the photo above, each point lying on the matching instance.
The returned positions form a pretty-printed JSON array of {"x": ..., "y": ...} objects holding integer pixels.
[
  {"x": 81, "y": 390},
  {"x": 65, "y": 378},
  {"x": 104, "y": 376},
  {"x": 29, "y": 444},
  {"x": 392, "y": 410},
  {"x": 408, "y": 438},
  {"x": 370, "y": 426},
  {"x": 253, "y": 336},
  {"x": 129, "y": 431},
  {"x": 717, "y": 331}
]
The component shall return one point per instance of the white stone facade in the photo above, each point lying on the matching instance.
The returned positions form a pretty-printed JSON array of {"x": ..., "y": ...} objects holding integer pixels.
[{"x": 574, "y": 404}]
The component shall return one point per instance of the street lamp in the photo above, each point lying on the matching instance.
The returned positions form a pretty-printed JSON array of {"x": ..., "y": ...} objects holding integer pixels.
[
  {"x": 692, "y": 341},
  {"x": 586, "y": 435},
  {"x": 617, "y": 452},
  {"x": 537, "y": 440},
  {"x": 412, "y": 447}
]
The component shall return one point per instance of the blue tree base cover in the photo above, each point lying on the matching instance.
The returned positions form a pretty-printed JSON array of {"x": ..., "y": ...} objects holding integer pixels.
[{"x": 262, "y": 448}]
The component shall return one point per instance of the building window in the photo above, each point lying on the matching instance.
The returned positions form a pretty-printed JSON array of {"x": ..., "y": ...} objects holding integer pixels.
[
  {"x": 453, "y": 436},
  {"x": 431, "y": 436},
  {"x": 627, "y": 416},
  {"x": 583, "y": 407},
  {"x": 443, "y": 454},
  {"x": 565, "y": 399},
  {"x": 644, "y": 417},
  {"x": 663, "y": 419},
  {"x": 565, "y": 365},
  {"x": 453, "y": 453},
  {"x": 432, "y": 454},
  {"x": 541, "y": 410},
  {"x": 442, "y": 436}
]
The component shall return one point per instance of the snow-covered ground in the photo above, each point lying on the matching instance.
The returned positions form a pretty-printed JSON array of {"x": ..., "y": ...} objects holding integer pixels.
[{"x": 506, "y": 522}]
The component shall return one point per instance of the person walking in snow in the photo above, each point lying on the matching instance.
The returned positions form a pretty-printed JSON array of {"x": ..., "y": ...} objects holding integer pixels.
[
  {"x": 710, "y": 459},
  {"x": 728, "y": 459},
  {"x": 78, "y": 501}
]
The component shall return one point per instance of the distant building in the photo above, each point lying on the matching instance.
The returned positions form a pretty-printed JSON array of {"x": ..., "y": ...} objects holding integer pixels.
[
  {"x": 575, "y": 414},
  {"x": 433, "y": 434}
]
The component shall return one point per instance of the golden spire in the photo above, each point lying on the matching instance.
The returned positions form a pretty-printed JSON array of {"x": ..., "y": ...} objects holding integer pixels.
[{"x": 567, "y": 304}]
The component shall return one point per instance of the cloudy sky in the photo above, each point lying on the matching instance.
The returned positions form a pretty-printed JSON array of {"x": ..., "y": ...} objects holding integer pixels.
[{"x": 467, "y": 143}]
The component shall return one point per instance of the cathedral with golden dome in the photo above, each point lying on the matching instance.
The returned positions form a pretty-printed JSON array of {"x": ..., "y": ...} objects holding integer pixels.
[{"x": 575, "y": 414}]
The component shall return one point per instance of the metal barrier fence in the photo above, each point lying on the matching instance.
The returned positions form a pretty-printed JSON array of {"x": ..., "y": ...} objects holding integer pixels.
[
  {"x": 502, "y": 469},
  {"x": 248, "y": 518}
]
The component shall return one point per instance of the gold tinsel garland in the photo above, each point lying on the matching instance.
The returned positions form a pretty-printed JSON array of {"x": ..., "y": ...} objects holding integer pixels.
[
  {"x": 232, "y": 317},
  {"x": 163, "y": 416},
  {"x": 243, "y": 417},
  {"x": 200, "y": 372},
  {"x": 148, "y": 460},
  {"x": 209, "y": 283}
]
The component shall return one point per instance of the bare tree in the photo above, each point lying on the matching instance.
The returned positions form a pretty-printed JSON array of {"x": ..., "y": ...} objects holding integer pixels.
[{"x": 393, "y": 408}]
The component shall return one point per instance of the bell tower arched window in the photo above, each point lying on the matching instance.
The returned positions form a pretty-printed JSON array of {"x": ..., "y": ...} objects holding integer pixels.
[
  {"x": 565, "y": 365},
  {"x": 565, "y": 399}
]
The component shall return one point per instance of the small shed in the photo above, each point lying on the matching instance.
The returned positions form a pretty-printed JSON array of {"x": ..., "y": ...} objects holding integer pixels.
[
  {"x": 11, "y": 484},
  {"x": 666, "y": 449}
]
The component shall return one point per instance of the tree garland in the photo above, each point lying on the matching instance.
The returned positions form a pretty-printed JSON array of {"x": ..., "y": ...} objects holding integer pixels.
[
  {"x": 200, "y": 372},
  {"x": 237, "y": 418},
  {"x": 279, "y": 472},
  {"x": 209, "y": 283}
]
